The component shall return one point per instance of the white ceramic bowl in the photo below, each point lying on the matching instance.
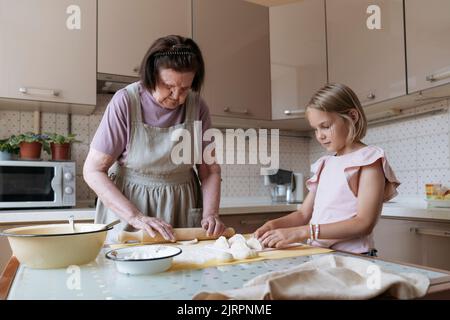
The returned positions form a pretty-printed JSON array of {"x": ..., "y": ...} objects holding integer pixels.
[
  {"x": 55, "y": 245},
  {"x": 145, "y": 259}
]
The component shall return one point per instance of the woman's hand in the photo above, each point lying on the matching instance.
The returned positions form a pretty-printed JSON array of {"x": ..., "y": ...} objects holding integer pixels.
[
  {"x": 213, "y": 225},
  {"x": 279, "y": 238},
  {"x": 151, "y": 224}
]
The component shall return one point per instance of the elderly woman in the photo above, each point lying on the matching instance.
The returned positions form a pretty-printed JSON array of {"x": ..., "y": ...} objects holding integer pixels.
[{"x": 129, "y": 165}]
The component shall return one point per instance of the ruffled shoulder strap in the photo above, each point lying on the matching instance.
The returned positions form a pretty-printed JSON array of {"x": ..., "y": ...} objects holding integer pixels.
[
  {"x": 367, "y": 156},
  {"x": 316, "y": 168}
]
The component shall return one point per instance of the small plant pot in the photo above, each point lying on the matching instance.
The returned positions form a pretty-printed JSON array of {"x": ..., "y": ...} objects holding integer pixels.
[
  {"x": 5, "y": 155},
  {"x": 30, "y": 150},
  {"x": 60, "y": 151}
]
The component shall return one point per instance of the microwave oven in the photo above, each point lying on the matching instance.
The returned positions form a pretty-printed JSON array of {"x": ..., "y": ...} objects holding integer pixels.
[{"x": 37, "y": 184}]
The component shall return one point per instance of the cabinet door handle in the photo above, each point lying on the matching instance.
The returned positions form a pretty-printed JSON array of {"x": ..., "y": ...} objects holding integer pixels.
[
  {"x": 136, "y": 69},
  {"x": 438, "y": 76},
  {"x": 229, "y": 110},
  {"x": 371, "y": 96},
  {"x": 36, "y": 91},
  {"x": 253, "y": 222},
  {"x": 431, "y": 232},
  {"x": 293, "y": 112}
]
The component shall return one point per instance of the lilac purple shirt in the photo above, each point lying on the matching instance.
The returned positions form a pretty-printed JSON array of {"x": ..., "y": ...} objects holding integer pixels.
[{"x": 114, "y": 132}]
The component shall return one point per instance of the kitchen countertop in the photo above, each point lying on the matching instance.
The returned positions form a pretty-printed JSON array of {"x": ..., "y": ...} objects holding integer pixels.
[
  {"x": 82, "y": 212},
  {"x": 400, "y": 207},
  {"x": 99, "y": 280}
]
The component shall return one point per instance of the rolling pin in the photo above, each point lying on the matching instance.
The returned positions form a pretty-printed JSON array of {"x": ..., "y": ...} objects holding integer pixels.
[{"x": 180, "y": 234}]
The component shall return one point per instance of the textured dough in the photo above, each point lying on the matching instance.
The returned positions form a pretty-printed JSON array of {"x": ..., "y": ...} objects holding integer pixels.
[
  {"x": 224, "y": 256},
  {"x": 222, "y": 243},
  {"x": 240, "y": 250},
  {"x": 254, "y": 243},
  {"x": 236, "y": 238}
]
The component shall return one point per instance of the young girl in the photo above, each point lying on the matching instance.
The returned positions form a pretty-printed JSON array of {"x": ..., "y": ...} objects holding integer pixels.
[{"x": 347, "y": 190}]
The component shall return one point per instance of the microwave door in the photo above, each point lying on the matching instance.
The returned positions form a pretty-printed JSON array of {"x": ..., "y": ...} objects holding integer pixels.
[{"x": 26, "y": 186}]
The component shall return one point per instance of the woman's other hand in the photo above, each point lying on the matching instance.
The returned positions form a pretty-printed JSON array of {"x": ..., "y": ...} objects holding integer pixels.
[
  {"x": 213, "y": 225},
  {"x": 151, "y": 224}
]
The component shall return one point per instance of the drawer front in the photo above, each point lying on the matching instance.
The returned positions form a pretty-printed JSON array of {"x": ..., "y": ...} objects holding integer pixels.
[{"x": 248, "y": 223}]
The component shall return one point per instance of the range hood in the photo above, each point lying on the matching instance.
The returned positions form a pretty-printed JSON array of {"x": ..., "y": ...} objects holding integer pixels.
[{"x": 110, "y": 83}]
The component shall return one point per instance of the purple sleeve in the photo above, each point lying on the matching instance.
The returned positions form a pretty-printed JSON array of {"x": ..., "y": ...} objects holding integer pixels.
[{"x": 112, "y": 134}]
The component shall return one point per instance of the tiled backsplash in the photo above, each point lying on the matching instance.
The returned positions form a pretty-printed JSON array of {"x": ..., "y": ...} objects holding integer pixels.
[{"x": 418, "y": 149}]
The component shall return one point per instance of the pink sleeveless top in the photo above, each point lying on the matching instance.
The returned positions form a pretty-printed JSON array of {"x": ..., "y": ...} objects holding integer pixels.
[{"x": 335, "y": 182}]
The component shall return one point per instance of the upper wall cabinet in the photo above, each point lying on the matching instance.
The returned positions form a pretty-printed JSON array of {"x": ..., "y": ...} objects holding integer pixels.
[
  {"x": 126, "y": 29},
  {"x": 48, "y": 50},
  {"x": 297, "y": 55},
  {"x": 427, "y": 43},
  {"x": 366, "y": 47},
  {"x": 234, "y": 38}
]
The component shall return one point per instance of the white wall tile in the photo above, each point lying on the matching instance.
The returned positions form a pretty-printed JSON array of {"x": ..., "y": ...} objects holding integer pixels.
[
  {"x": 79, "y": 154},
  {"x": 402, "y": 154},
  {"x": 62, "y": 123},
  {"x": 408, "y": 181},
  {"x": 433, "y": 151},
  {"x": 83, "y": 191},
  {"x": 9, "y": 123},
  {"x": 48, "y": 122},
  {"x": 26, "y": 121},
  {"x": 80, "y": 126},
  {"x": 94, "y": 121},
  {"x": 238, "y": 187}
]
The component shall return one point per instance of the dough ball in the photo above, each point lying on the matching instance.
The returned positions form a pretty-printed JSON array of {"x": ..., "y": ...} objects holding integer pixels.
[
  {"x": 224, "y": 257},
  {"x": 222, "y": 243},
  {"x": 241, "y": 253},
  {"x": 254, "y": 243},
  {"x": 236, "y": 238},
  {"x": 239, "y": 245}
]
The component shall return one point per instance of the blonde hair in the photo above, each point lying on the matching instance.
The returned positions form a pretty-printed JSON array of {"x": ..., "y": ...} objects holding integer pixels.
[{"x": 339, "y": 98}]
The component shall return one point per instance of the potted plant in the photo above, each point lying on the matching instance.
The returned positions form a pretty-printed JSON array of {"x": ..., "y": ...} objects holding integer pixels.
[
  {"x": 60, "y": 145},
  {"x": 30, "y": 145},
  {"x": 7, "y": 149}
]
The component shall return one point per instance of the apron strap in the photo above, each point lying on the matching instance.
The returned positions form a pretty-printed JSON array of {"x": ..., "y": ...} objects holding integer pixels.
[
  {"x": 192, "y": 102},
  {"x": 135, "y": 100}
]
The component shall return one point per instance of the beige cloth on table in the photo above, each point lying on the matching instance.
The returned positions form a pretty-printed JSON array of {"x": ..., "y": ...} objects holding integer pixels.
[{"x": 328, "y": 277}]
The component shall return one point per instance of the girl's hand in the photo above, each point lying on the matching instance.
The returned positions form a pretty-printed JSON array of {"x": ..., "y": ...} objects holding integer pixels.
[
  {"x": 213, "y": 225},
  {"x": 151, "y": 224},
  {"x": 263, "y": 229},
  {"x": 280, "y": 238}
]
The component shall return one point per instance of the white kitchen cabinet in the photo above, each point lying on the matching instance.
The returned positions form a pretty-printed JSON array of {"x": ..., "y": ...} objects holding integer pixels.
[
  {"x": 234, "y": 38},
  {"x": 48, "y": 50},
  {"x": 126, "y": 29},
  {"x": 3, "y": 63},
  {"x": 427, "y": 43},
  {"x": 297, "y": 55},
  {"x": 419, "y": 242},
  {"x": 370, "y": 61}
]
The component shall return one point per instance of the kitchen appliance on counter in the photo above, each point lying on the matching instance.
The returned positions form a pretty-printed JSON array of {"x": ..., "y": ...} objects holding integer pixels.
[
  {"x": 37, "y": 184},
  {"x": 286, "y": 186}
]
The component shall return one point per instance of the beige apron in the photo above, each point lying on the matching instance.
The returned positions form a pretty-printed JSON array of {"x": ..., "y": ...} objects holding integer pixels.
[{"x": 149, "y": 179}]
